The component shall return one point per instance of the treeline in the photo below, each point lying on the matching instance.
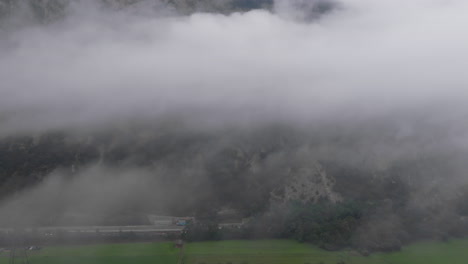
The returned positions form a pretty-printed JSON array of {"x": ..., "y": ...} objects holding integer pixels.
[
  {"x": 325, "y": 224},
  {"x": 365, "y": 227},
  {"x": 50, "y": 10}
]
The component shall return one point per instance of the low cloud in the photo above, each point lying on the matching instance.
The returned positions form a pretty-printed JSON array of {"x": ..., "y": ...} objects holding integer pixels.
[
  {"x": 363, "y": 60},
  {"x": 93, "y": 196}
]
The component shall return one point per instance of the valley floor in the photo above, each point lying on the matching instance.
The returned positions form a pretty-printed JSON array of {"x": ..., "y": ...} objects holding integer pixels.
[{"x": 243, "y": 252}]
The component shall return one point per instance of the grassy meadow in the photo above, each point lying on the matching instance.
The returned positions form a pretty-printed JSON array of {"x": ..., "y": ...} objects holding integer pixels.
[
  {"x": 134, "y": 253},
  {"x": 290, "y": 252},
  {"x": 244, "y": 252}
]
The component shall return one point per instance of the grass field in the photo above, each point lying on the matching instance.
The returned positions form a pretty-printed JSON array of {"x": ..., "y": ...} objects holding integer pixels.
[
  {"x": 289, "y": 252},
  {"x": 244, "y": 252},
  {"x": 135, "y": 253}
]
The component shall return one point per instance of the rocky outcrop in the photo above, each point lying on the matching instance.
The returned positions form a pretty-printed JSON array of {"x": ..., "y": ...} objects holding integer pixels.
[{"x": 306, "y": 184}]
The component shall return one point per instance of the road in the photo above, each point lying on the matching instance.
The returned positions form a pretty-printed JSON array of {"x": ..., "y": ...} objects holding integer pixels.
[{"x": 103, "y": 229}]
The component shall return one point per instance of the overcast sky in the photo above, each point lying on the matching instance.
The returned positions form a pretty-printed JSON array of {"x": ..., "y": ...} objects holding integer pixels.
[{"x": 364, "y": 59}]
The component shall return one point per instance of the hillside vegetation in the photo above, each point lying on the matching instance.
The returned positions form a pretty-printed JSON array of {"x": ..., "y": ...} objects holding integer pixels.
[{"x": 310, "y": 185}]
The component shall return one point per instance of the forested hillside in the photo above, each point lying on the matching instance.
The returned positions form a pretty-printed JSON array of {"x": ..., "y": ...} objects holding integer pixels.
[
  {"x": 277, "y": 175},
  {"x": 46, "y": 10}
]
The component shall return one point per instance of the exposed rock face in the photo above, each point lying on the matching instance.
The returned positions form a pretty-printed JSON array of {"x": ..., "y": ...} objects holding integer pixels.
[{"x": 307, "y": 184}]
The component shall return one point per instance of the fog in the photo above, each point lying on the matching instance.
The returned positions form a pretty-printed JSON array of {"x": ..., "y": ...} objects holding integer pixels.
[
  {"x": 373, "y": 85},
  {"x": 364, "y": 59},
  {"x": 95, "y": 195}
]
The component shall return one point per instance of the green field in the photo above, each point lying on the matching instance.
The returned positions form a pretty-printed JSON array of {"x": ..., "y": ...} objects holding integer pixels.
[
  {"x": 244, "y": 252},
  {"x": 135, "y": 253},
  {"x": 289, "y": 252}
]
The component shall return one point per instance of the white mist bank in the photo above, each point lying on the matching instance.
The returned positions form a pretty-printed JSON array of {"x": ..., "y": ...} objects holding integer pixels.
[{"x": 365, "y": 59}]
